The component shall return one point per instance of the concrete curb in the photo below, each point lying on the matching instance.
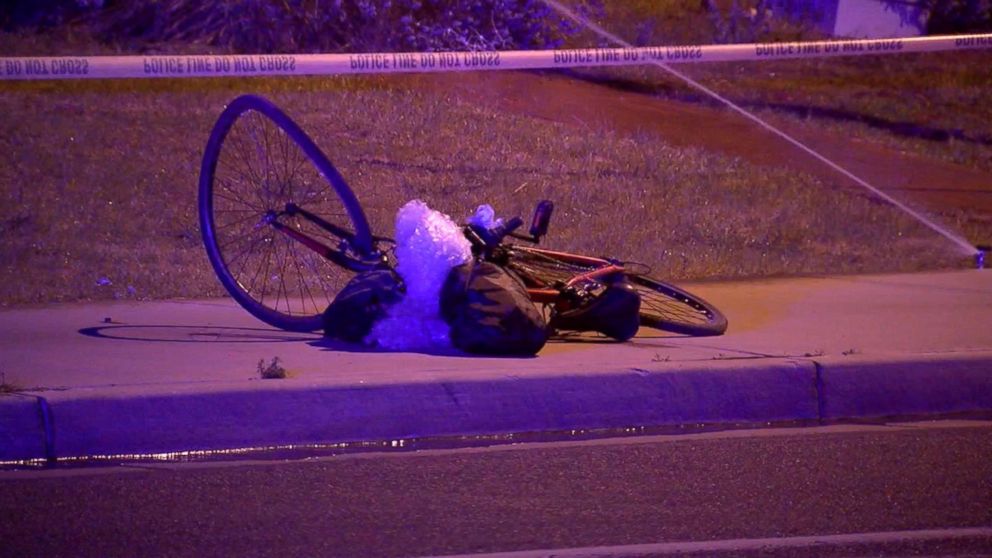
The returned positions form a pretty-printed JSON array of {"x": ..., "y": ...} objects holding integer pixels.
[
  {"x": 162, "y": 419},
  {"x": 22, "y": 428},
  {"x": 906, "y": 385}
]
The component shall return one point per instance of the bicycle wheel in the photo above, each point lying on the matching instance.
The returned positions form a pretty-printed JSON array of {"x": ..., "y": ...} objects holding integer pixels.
[
  {"x": 540, "y": 268},
  {"x": 257, "y": 164},
  {"x": 667, "y": 307},
  {"x": 663, "y": 306}
]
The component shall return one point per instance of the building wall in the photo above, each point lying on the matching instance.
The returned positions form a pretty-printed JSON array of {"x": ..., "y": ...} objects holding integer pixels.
[
  {"x": 877, "y": 19},
  {"x": 858, "y": 18}
]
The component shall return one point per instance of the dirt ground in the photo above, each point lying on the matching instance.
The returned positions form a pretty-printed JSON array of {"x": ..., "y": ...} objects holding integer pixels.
[{"x": 927, "y": 183}]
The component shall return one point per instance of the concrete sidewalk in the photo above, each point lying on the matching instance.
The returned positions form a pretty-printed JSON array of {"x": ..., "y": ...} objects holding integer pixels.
[{"x": 124, "y": 378}]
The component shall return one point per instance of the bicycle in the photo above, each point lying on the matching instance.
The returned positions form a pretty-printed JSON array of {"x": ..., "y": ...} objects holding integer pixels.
[{"x": 283, "y": 243}]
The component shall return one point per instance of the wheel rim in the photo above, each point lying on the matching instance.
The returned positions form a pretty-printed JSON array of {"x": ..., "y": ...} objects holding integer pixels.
[{"x": 668, "y": 308}]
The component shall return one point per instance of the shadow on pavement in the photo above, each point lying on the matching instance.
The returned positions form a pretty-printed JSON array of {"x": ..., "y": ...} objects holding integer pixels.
[
  {"x": 189, "y": 333},
  {"x": 328, "y": 344},
  {"x": 194, "y": 334}
]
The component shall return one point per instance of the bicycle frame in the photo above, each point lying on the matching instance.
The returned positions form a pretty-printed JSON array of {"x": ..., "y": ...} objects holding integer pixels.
[
  {"x": 602, "y": 268},
  {"x": 339, "y": 255}
]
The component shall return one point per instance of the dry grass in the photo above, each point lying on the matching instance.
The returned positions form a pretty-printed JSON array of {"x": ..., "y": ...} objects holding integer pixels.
[
  {"x": 273, "y": 370},
  {"x": 98, "y": 187}
]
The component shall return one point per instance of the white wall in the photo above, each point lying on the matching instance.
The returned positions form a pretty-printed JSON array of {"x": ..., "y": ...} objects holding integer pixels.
[{"x": 877, "y": 19}]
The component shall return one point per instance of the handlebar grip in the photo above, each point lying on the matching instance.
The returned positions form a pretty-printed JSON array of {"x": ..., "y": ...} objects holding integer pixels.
[
  {"x": 494, "y": 236},
  {"x": 510, "y": 226},
  {"x": 542, "y": 218},
  {"x": 490, "y": 238}
]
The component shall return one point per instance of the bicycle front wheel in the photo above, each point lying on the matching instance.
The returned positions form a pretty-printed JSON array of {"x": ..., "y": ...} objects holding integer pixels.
[
  {"x": 258, "y": 164},
  {"x": 667, "y": 307}
]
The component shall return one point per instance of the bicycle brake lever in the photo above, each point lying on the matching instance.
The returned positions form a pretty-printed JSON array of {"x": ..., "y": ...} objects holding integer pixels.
[{"x": 475, "y": 236}]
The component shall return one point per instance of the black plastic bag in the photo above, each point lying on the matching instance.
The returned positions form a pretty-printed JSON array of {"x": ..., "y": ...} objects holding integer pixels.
[
  {"x": 361, "y": 303},
  {"x": 490, "y": 313}
]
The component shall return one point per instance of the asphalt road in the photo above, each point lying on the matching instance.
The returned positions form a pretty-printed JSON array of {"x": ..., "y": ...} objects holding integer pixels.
[{"x": 746, "y": 485}]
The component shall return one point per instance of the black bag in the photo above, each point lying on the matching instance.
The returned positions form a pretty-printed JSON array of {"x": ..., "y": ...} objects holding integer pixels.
[
  {"x": 614, "y": 312},
  {"x": 361, "y": 303},
  {"x": 489, "y": 311}
]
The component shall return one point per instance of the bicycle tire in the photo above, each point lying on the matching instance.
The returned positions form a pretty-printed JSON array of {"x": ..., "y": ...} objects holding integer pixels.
[
  {"x": 256, "y": 161},
  {"x": 667, "y": 307},
  {"x": 663, "y": 305}
]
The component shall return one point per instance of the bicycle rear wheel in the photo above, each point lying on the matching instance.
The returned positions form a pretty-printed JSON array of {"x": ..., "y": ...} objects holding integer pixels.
[
  {"x": 663, "y": 306},
  {"x": 257, "y": 165},
  {"x": 540, "y": 268},
  {"x": 667, "y": 307}
]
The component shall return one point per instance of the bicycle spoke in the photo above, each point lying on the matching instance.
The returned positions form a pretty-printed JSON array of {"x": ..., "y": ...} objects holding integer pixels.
[
  {"x": 226, "y": 185},
  {"x": 675, "y": 312},
  {"x": 230, "y": 224},
  {"x": 316, "y": 269},
  {"x": 260, "y": 159},
  {"x": 297, "y": 177},
  {"x": 304, "y": 286},
  {"x": 258, "y": 154},
  {"x": 234, "y": 240},
  {"x": 250, "y": 252},
  {"x": 286, "y": 149},
  {"x": 309, "y": 191},
  {"x": 245, "y": 254},
  {"x": 283, "y": 287},
  {"x": 265, "y": 275},
  {"x": 290, "y": 156},
  {"x": 244, "y": 179},
  {"x": 274, "y": 180},
  {"x": 666, "y": 307},
  {"x": 258, "y": 271},
  {"x": 244, "y": 154},
  {"x": 274, "y": 276},
  {"x": 681, "y": 309},
  {"x": 264, "y": 156}
]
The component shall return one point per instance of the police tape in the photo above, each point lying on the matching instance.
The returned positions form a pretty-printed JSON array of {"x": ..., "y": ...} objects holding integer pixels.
[{"x": 96, "y": 67}]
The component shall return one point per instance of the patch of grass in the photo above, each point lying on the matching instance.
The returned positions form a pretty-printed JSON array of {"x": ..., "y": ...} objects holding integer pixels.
[
  {"x": 115, "y": 198},
  {"x": 273, "y": 370},
  {"x": 98, "y": 194}
]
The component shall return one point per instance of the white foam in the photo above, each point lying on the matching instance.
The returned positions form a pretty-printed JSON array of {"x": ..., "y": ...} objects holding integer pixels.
[{"x": 428, "y": 245}]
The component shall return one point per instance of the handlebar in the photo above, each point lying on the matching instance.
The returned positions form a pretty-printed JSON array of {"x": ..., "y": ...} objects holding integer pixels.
[
  {"x": 487, "y": 239},
  {"x": 491, "y": 238}
]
